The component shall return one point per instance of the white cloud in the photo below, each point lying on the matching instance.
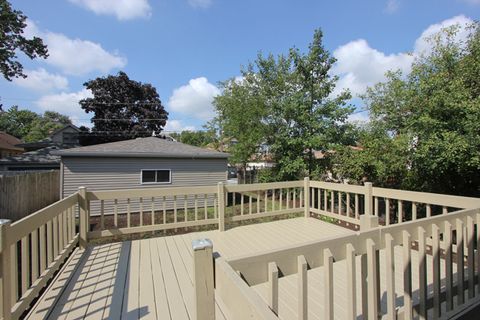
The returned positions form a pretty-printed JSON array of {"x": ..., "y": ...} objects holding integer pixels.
[
  {"x": 41, "y": 80},
  {"x": 177, "y": 126},
  {"x": 200, "y": 3},
  {"x": 392, "y": 6},
  {"x": 359, "y": 65},
  {"x": 423, "y": 46},
  {"x": 67, "y": 103},
  {"x": 76, "y": 56},
  {"x": 122, "y": 9},
  {"x": 194, "y": 99}
]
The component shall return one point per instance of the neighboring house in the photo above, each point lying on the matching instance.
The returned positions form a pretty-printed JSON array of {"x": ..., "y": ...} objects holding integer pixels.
[
  {"x": 38, "y": 155},
  {"x": 41, "y": 159},
  {"x": 65, "y": 137},
  {"x": 138, "y": 163},
  {"x": 8, "y": 145}
]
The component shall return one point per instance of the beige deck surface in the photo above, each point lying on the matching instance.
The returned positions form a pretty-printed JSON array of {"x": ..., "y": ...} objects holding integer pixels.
[{"x": 152, "y": 278}]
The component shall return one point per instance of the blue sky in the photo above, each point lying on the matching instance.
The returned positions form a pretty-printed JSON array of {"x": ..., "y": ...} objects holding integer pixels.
[{"x": 185, "y": 47}]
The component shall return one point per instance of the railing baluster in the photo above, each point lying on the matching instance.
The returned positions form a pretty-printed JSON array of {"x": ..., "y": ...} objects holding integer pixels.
[
  {"x": 258, "y": 201},
  {"x": 34, "y": 254},
  {"x": 460, "y": 262},
  {"x": 141, "y": 210},
  {"x": 325, "y": 200},
  {"x": 266, "y": 200},
  {"x": 241, "y": 204},
  {"x": 68, "y": 217},
  {"x": 372, "y": 286},
  {"x": 447, "y": 239},
  {"x": 302, "y": 285},
  {"x": 14, "y": 273},
  {"x": 164, "y": 210},
  {"x": 407, "y": 276},
  {"x": 185, "y": 206},
  {"x": 215, "y": 208},
  {"x": 351, "y": 283},
  {"x": 102, "y": 215},
  {"x": 273, "y": 200},
  {"x": 387, "y": 211},
  {"x": 471, "y": 258},
  {"x": 376, "y": 206},
  {"x": 332, "y": 202},
  {"x": 390, "y": 275},
  {"x": 294, "y": 198},
  {"x": 43, "y": 249},
  {"x": 60, "y": 233},
  {"x": 357, "y": 206},
  {"x": 128, "y": 212},
  {"x": 25, "y": 270},
  {"x": 400, "y": 211},
  {"x": 153, "y": 211},
  {"x": 55, "y": 237},
  {"x": 175, "y": 209},
  {"x": 422, "y": 272},
  {"x": 49, "y": 242},
  {"x": 205, "y": 206},
  {"x": 339, "y": 203},
  {"x": 436, "y": 271},
  {"x": 196, "y": 207},
  {"x": 281, "y": 199},
  {"x": 348, "y": 204},
  {"x": 414, "y": 211},
  {"x": 273, "y": 287},
  {"x": 428, "y": 210},
  {"x": 444, "y": 210},
  {"x": 115, "y": 212},
  {"x": 328, "y": 283},
  {"x": 64, "y": 226}
]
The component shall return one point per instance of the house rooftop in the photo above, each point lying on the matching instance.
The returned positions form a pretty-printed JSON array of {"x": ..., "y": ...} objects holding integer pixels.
[
  {"x": 40, "y": 156},
  {"x": 9, "y": 142},
  {"x": 151, "y": 147}
]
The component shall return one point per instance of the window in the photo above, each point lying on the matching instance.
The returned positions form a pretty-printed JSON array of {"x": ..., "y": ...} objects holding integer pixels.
[{"x": 156, "y": 176}]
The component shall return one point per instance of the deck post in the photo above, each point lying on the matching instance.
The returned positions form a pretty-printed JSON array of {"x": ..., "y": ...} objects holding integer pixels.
[
  {"x": 306, "y": 196},
  {"x": 221, "y": 206},
  {"x": 5, "y": 276},
  {"x": 203, "y": 279},
  {"x": 83, "y": 217}
]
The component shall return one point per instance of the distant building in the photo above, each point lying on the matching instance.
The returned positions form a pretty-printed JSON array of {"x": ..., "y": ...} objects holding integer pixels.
[
  {"x": 65, "y": 137},
  {"x": 9, "y": 145}
]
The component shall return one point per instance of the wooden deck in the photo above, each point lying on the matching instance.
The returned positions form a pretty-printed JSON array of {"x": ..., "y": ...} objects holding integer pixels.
[{"x": 152, "y": 278}]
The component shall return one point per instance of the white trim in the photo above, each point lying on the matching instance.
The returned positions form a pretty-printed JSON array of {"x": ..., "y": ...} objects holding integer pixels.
[{"x": 169, "y": 176}]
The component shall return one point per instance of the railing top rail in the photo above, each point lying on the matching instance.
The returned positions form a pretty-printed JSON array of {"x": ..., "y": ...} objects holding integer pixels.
[
  {"x": 26, "y": 225},
  {"x": 343, "y": 187},
  {"x": 263, "y": 186},
  {"x": 254, "y": 266},
  {"x": 425, "y": 197},
  {"x": 149, "y": 192}
]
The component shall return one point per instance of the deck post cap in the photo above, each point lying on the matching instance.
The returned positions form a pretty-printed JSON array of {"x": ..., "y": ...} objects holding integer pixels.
[{"x": 201, "y": 244}]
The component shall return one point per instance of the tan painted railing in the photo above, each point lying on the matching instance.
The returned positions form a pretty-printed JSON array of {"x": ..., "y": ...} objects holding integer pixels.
[{"x": 32, "y": 250}]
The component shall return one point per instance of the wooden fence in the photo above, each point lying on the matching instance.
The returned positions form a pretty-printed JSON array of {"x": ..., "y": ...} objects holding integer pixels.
[{"x": 24, "y": 193}]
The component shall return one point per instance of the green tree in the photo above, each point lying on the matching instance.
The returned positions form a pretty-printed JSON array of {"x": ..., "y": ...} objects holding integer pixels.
[
  {"x": 286, "y": 102},
  {"x": 30, "y": 126},
  {"x": 195, "y": 138},
  {"x": 426, "y": 123},
  {"x": 12, "y": 25},
  {"x": 123, "y": 108}
]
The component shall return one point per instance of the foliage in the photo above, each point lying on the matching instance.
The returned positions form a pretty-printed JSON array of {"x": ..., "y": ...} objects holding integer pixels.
[
  {"x": 425, "y": 126},
  {"x": 12, "y": 40},
  {"x": 195, "y": 138},
  {"x": 285, "y": 102},
  {"x": 123, "y": 109},
  {"x": 30, "y": 126}
]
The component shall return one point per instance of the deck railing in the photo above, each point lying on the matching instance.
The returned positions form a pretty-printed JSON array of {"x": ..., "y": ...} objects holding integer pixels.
[{"x": 34, "y": 248}]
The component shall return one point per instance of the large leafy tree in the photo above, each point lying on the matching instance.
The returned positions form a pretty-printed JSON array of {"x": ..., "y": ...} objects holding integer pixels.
[
  {"x": 426, "y": 123},
  {"x": 12, "y": 40},
  {"x": 123, "y": 108},
  {"x": 30, "y": 126},
  {"x": 286, "y": 102},
  {"x": 195, "y": 138}
]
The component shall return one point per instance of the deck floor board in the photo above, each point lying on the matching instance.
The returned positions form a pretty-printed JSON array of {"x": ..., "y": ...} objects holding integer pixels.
[{"x": 153, "y": 278}]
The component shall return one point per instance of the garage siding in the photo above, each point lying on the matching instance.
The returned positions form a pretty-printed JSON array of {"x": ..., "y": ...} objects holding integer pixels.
[{"x": 124, "y": 173}]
